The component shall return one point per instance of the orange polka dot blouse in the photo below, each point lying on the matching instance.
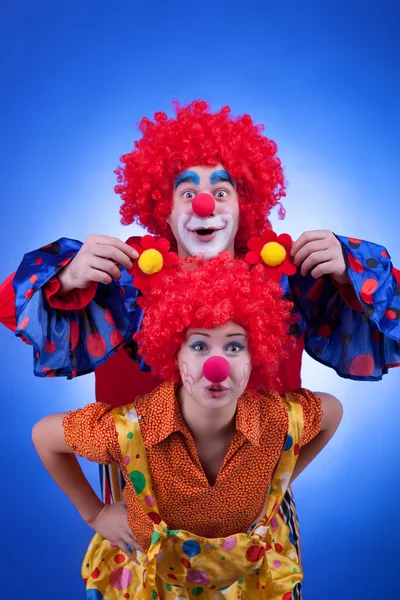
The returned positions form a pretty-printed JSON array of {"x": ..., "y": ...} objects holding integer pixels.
[{"x": 185, "y": 498}]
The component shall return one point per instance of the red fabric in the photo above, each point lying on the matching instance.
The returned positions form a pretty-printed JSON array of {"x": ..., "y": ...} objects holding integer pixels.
[
  {"x": 74, "y": 300},
  {"x": 7, "y": 303},
  {"x": 348, "y": 294}
]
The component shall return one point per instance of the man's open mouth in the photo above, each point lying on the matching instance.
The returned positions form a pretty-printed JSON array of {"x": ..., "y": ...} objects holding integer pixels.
[{"x": 203, "y": 232}]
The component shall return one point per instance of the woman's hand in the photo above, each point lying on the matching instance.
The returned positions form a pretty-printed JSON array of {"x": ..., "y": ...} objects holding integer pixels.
[{"x": 112, "y": 523}]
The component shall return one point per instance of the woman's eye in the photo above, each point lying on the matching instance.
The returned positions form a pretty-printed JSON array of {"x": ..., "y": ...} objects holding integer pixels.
[
  {"x": 188, "y": 195},
  {"x": 199, "y": 347},
  {"x": 234, "y": 348}
]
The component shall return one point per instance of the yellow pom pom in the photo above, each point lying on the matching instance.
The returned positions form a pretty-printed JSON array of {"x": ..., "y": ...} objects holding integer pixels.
[
  {"x": 151, "y": 261},
  {"x": 273, "y": 254}
]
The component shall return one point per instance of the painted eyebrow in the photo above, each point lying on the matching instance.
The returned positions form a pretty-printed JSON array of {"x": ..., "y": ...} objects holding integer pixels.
[
  {"x": 187, "y": 176},
  {"x": 208, "y": 335},
  {"x": 199, "y": 333},
  {"x": 221, "y": 175}
]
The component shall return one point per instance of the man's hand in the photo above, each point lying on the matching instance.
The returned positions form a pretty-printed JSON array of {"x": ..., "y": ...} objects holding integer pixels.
[
  {"x": 320, "y": 252},
  {"x": 112, "y": 523},
  {"x": 97, "y": 262}
]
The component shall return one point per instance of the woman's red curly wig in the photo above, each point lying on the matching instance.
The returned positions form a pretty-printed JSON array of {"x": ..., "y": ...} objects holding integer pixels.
[
  {"x": 207, "y": 293},
  {"x": 197, "y": 136}
]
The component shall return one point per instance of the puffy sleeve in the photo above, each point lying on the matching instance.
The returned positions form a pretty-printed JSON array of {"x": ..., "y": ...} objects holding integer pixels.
[
  {"x": 356, "y": 333},
  {"x": 73, "y": 341},
  {"x": 90, "y": 432},
  {"x": 312, "y": 413}
]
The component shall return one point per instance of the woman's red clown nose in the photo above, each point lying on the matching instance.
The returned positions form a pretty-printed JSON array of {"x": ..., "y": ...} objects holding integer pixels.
[
  {"x": 203, "y": 205},
  {"x": 216, "y": 369}
]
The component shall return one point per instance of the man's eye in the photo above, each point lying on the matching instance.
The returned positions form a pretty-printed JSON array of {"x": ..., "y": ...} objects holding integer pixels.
[
  {"x": 221, "y": 194},
  {"x": 188, "y": 195}
]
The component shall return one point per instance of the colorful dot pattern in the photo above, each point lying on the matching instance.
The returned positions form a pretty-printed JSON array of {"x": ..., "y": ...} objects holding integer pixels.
[{"x": 194, "y": 560}]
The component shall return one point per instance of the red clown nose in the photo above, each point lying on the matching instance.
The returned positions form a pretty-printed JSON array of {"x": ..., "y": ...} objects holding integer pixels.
[
  {"x": 203, "y": 205},
  {"x": 216, "y": 369}
]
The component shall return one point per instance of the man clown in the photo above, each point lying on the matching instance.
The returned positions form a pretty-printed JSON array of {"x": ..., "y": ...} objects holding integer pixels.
[{"x": 205, "y": 182}]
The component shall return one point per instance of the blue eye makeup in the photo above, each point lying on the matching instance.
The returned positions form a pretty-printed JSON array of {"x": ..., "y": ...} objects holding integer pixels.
[
  {"x": 187, "y": 176},
  {"x": 220, "y": 176},
  {"x": 239, "y": 347},
  {"x": 199, "y": 346}
]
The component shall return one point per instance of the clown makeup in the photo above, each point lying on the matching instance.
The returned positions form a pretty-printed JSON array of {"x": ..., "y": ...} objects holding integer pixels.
[
  {"x": 211, "y": 234},
  {"x": 229, "y": 344}
]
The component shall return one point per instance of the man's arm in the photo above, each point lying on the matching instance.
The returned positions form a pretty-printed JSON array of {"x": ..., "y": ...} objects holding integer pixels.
[
  {"x": 75, "y": 329},
  {"x": 348, "y": 294}
]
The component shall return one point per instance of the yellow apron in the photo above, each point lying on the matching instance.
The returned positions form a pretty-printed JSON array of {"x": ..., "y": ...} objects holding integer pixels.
[{"x": 262, "y": 563}]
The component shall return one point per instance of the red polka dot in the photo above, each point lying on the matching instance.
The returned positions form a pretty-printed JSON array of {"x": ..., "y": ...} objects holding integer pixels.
[
  {"x": 315, "y": 311},
  {"x": 278, "y": 547},
  {"x": 362, "y": 366},
  {"x": 390, "y": 314},
  {"x": 355, "y": 264},
  {"x": 324, "y": 331},
  {"x": 354, "y": 240},
  {"x": 96, "y": 573},
  {"x": 65, "y": 262},
  {"x": 24, "y": 323},
  {"x": 127, "y": 595},
  {"x": 255, "y": 553},
  {"x": 74, "y": 334},
  {"x": 367, "y": 289},
  {"x": 186, "y": 563},
  {"x": 119, "y": 559},
  {"x": 155, "y": 517},
  {"x": 137, "y": 455},
  {"x": 384, "y": 254},
  {"x": 287, "y": 596},
  {"x": 316, "y": 290},
  {"x": 50, "y": 346},
  {"x": 33, "y": 278},
  {"x": 297, "y": 291},
  {"x": 29, "y": 294},
  {"x": 116, "y": 338},
  {"x": 39, "y": 261},
  {"x": 268, "y": 547},
  {"x": 172, "y": 576},
  {"x": 396, "y": 274},
  {"x": 296, "y": 449},
  {"x": 96, "y": 345},
  {"x": 376, "y": 336},
  {"x": 212, "y": 587},
  {"x": 108, "y": 317}
]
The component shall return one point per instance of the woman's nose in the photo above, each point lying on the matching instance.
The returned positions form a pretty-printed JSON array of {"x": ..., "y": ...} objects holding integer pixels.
[
  {"x": 203, "y": 205},
  {"x": 216, "y": 369}
]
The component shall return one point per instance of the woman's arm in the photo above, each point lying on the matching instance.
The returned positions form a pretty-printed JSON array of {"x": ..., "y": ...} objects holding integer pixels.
[
  {"x": 61, "y": 463},
  {"x": 332, "y": 415},
  {"x": 63, "y": 466}
]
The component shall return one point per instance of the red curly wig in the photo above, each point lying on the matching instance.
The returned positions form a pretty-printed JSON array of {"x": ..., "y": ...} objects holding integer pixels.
[
  {"x": 198, "y": 137},
  {"x": 202, "y": 293}
]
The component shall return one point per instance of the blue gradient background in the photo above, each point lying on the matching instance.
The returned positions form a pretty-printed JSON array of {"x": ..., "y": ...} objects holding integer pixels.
[{"x": 323, "y": 78}]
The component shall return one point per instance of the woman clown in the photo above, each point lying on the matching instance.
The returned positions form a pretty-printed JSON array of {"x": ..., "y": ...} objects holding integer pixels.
[{"x": 206, "y": 458}]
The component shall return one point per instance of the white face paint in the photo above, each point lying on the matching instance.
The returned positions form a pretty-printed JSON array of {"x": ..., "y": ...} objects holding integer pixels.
[
  {"x": 193, "y": 237},
  {"x": 223, "y": 223}
]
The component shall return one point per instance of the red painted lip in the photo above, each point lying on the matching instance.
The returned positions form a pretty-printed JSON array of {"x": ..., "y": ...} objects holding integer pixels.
[{"x": 216, "y": 394}]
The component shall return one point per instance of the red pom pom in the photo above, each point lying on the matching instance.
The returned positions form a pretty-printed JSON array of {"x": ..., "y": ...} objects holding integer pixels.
[
  {"x": 216, "y": 369},
  {"x": 203, "y": 205}
]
